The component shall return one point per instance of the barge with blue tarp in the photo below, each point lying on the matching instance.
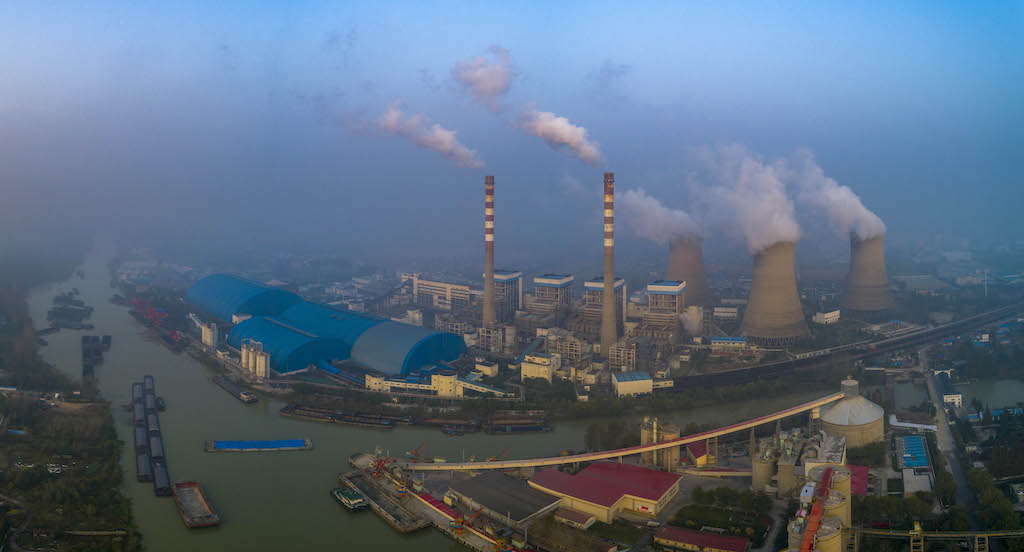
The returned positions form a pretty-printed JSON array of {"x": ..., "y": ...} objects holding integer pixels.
[{"x": 259, "y": 446}]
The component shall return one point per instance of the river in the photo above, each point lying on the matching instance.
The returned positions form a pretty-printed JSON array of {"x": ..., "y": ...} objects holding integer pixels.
[{"x": 272, "y": 501}]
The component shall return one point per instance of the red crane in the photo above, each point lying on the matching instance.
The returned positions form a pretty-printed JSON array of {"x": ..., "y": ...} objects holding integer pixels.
[
  {"x": 458, "y": 524},
  {"x": 415, "y": 454},
  {"x": 814, "y": 519},
  {"x": 503, "y": 455}
]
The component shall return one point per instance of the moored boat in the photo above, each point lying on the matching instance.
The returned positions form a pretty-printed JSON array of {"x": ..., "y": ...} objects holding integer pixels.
[
  {"x": 349, "y": 498},
  {"x": 195, "y": 510}
]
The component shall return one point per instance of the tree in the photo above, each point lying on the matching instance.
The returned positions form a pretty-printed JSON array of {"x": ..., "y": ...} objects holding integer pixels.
[
  {"x": 702, "y": 497},
  {"x": 726, "y": 497},
  {"x": 945, "y": 487}
]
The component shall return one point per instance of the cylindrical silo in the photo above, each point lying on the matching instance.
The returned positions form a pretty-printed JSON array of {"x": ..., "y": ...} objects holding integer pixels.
[
  {"x": 837, "y": 506},
  {"x": 827, "y": 539},
  {"x": 762, "y": 470},
  {"x": 245, "y": 355},
  {"x": 841, "y": 477}
]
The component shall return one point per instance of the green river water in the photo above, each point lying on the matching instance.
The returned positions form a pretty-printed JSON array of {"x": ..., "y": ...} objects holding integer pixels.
[{"x": 273, "y": 501}]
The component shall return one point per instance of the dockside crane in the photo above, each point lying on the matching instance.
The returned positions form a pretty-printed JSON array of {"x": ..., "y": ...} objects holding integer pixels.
[
  {"x": 415, "y": 454},
  {"x": 459, "y": 523},
  {"x": 497, "y": 458}
]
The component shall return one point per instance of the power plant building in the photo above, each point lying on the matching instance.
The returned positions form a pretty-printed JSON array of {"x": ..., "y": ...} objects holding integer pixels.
[
  {"x": 508, "y": 294},
  {"x": 552, "y": 295},
  {"x": 666, "y": 301},
  {"x": 630, "y": 384},
  {"x": 441, "y": 295},
  {"x": 593, "y": 300},
  {"x": 297, "y": 334}
]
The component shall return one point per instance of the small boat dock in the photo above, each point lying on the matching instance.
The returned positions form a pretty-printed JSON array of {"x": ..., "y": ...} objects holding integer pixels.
[{"x": 259, "y": 446}]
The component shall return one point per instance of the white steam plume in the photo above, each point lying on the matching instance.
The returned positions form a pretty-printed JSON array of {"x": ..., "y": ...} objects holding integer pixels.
[
  {"x": 690, "y": 325},
  {"x": 419, "y": 129},
  {"x": 487, "y": 80},
  {"x": 844, "y": 208},
  {"x": 558, "y": 131},
  {"x": 748, "y": 194},
  {"x": 648, "y": 218}
]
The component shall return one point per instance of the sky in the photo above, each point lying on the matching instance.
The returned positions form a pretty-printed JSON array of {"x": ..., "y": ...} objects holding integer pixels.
[{"x": 366, "y": 128}]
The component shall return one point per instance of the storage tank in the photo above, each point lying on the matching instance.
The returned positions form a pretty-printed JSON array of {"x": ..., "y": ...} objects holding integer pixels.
[
  {"x": 837, "y": 506},
  {"x": 854, "y": 417},
  {"x": 245, "y": 356},
  {"x": 828, "y": 538},
  {"x": 841, "y": 477},
  {"x": 762, "y": 470},
  {"x": 652, "y": 431}
]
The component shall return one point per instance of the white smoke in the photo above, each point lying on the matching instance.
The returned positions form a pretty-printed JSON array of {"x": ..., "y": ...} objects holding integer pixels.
[
  {"x": 748, "y": 194},
  {"x": 844, "y": 208},
  {"x": 558, "y": 131},
  {"x": 689, "y": 324},
  {"x": 419, "y": 129},
  {"x": 487, "y": 80},
  {"x": 648, "y": 218}
]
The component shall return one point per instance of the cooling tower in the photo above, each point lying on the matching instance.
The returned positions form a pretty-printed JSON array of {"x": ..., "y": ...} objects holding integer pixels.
[
  {"x": 609, "y": 329},
  {"x": 867, "y": 285},
  {"x": 773, "y": 312},
  {"x": 489, "y": 302},
  {"x": 686, "y": 263}
]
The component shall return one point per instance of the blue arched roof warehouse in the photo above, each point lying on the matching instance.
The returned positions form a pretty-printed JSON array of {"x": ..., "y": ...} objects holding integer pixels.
[
  {"x": 224, "y": 295},
  {"x": 297, "y": 333}
]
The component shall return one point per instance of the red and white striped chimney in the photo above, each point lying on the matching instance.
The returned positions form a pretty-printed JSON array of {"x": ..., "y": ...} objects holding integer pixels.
[
  {"x": 489, "y": 304},
  {"x": 609, "y": 328}
]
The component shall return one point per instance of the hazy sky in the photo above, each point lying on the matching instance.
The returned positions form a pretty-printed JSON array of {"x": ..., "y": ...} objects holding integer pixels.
[{"x": 302, "y": 125}]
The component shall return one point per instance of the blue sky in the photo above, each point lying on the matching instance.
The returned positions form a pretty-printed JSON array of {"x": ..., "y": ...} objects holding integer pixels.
[{"x": 224, "y": 118}]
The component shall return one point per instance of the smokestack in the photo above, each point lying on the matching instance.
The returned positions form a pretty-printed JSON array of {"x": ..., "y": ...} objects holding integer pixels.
[
  {"x": 773, "y": 314},
  {"x": 686, "y": 263},
  {"x": 867, "y": 285},
  {"x": 489, "y": 303},
  {"x": 609, "y": 328}
]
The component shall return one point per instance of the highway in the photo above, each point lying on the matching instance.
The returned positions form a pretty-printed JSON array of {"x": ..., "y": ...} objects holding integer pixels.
[{"x": 629, "y": 451}]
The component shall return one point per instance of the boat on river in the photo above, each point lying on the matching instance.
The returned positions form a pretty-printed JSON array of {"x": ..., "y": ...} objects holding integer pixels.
[
  {"x": 195, "y": 510},
  {"x": 349, "y": 498}
]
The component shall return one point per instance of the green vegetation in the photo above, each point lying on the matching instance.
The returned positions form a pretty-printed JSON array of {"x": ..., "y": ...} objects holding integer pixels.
[
  {"x": 740, "y": 513},
  {"x": 998, "y": 360},
  {"x": 994, "y": 509},
  {"x": 872, "y": 454},
  {"x": 899, "y": 512},
  {"x": 618, "y": 531},
  {"x": 945, "y": 487},
  {"x": 612, "y": 435}
]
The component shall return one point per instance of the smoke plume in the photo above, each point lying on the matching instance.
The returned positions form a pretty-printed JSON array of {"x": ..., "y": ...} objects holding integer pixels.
[
  {"x": 558, "y": 131},
  {"x": 648, "y": 218},
  {"x": 425, "y": 134},
  {"x": 689, "y": 324},
  {"x": 748, "y": 194},
  {"x": 487, "y": 80},
  {"x": 844, "y": 208}
]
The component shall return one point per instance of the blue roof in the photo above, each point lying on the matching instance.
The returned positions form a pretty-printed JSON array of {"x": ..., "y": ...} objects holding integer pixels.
[
  {"x": 731, "y": 339},
  {"x": 344, "y": 325},
  {"x": 224, "y": 295},
  {"x": 630, "y": 376},
  {"x": 276, "y": 443},
  {"x": 400, "y": 348},
  {"x": 290, "y": 348},
  {"x": 914, "y": 455}
]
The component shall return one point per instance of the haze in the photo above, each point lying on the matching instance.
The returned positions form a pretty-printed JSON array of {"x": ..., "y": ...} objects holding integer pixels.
[{"x": 366, "y": 128}]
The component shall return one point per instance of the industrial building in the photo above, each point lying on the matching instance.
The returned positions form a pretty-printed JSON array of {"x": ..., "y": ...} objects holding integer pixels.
[
  {"x": 539, "y": 365},
  {"x": 651, "y": 432},
  {"x": 552, "y": 295},
  {"x": 603, "y": 489},
  {"x": 697, "y": 541},
  {"x": 441, "y": 295},
  {"x": 590, "y": 312},
  {"x": 512, "y": 502},
  {"x": 631, "y": 384},
  {"x": 508, "y": 294},
  {"x": 297, "y": 334},
  {"x": 432, "y": 382},
  {"x": 826, "y": 318}
]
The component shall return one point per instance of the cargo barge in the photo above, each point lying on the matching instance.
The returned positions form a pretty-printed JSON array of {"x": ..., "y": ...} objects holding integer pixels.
[
  {"x": 161, "y": 481},
  {"x": 400, "y": 517},
  {"x": 336, "y": 417},
  {"x": 259, "y": 446},
  {"x": 195, "y": 510},
  {"x": 234, "y": 389},
  {"x": 517, "y": 428}
]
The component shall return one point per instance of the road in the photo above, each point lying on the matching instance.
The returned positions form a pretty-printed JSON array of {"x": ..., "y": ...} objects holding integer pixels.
[{"x": 947, "y": 445}]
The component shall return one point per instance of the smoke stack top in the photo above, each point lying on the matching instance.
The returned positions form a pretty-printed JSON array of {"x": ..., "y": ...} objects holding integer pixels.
[
  {"x": 844, "y": 207},
  {"x": 648, "y": 218}
]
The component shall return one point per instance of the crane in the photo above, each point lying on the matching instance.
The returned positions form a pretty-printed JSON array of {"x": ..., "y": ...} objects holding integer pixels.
[
  {"x": 817, "y": 508},
  {"x": 415, "y": 454},
  {"x": 458, "y": 524},
  {"x": 379, "y": 465},
  {"x": 503, "y": 455}
]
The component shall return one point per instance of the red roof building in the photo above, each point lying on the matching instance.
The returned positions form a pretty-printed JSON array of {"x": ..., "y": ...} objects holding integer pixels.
[
  {"x": 688, "y": 539},
  {"x": 604, "y": 488}
]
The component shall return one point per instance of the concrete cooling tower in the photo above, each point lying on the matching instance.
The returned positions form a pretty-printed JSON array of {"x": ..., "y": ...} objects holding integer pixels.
[
  {"x": 686, "y": 263},
  {"x": 867, "y": 285},
  {"x": 773, "y": 314}
]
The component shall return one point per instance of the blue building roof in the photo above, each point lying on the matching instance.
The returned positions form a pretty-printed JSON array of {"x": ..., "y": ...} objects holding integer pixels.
[
  {"x": 297, "y": 333},
  {"x": 630, "y": 376},
  {"x": 224, "y": 295},
  {"x": 914, "y": 455}
]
